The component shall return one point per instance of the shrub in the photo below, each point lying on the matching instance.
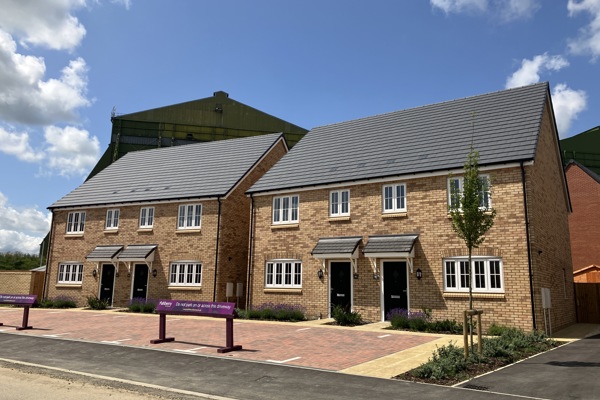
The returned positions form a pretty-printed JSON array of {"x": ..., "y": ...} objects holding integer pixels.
[
  {"x": 420, "y": 321},
  {"x": 344, "y": 317},
  {"x": 274, "y": 312},
  {"x": 446, "y": 363},
  {"x": 57, "y": 302},
  {"x": 96, "y": 304},
  {"x": 141, "y": 305}
]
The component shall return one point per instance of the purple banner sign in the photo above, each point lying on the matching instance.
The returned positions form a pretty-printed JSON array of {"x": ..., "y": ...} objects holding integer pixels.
[
  {"x": 17, "y": 298},
  {"x": 195, "y": 307}
]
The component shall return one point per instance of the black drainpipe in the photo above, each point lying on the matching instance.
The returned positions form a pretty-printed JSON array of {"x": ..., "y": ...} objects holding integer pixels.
[
  {"x": 528, "y": 247},
  {"x": 217, "y": 250},
  {"x": 250, "y": 254}
]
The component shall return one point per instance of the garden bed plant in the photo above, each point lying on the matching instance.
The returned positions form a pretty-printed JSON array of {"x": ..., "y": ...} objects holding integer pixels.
[
  {"x": 274, "y": 312},
  {"x": 421, "y": 321},
  {"x": 448, "y": 365}
]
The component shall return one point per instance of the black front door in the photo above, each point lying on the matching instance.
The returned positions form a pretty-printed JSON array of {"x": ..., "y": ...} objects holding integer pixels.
[
  {"x": 340, "y": 280},
  {"x": 394, "y": 286},
  {"x": 107, "y": 283},
  {"x": 140, "y": 282}
]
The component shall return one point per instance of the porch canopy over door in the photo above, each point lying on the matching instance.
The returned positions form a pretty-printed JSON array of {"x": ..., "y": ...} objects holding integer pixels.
[
  {"x": 335, "y": 248},
  {"x": 136, "y": 253},
  {"x": 391, "y": 246},
  {"x": 105, "y": 254}
]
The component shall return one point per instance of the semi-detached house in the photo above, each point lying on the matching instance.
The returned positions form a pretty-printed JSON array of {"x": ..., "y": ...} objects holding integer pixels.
[
  {"x": 170, "y": 223},
  {"x": 356, "y": 215}
]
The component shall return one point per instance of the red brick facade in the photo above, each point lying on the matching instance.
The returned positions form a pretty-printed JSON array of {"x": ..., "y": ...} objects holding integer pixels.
[{"x": 584, "y": 221}]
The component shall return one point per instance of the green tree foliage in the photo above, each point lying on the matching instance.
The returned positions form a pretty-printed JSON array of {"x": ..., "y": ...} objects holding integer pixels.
[
  {"x": 471, "y": 218},
  {"x": 11, "y": 261}
]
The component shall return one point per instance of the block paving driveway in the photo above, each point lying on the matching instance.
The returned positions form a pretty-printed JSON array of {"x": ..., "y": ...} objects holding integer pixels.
[{"x": 301, "y": 344}]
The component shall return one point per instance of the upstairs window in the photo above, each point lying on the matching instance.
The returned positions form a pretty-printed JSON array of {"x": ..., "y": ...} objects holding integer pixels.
[
  {"x": 456, "y": 189},
  {"x": 146, "y": 217},
  {"x": 112, "y": 219},
  {"x": 76, "y": 222},
  {"x": 285, "y": 209},
  {"x": 339, "y": 203},
  {"x": 394, "y": 198},
  {"x": 190, "y": 216}
]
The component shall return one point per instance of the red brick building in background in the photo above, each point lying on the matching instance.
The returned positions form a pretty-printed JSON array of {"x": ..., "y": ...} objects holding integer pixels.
[{"x": 584, "y": 221}]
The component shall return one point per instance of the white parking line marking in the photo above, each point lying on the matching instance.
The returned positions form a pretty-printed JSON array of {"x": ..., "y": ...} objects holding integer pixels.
[
  {"x": 382, "y": 336},
  {"x": 115, "y": 341},
  {"x": 191, "y": 350},
  {"x": 55, "y": 312},
  {"x": 303, "y": 329},
  {"x": 284, "y": 361},
  {"x": 57, "y": 334}
]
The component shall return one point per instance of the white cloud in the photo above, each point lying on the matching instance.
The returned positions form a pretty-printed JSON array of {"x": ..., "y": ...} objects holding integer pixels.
[
  {"x": 17, "y": 144},
  {"x": 505, "y": 10},
  {"x": 71, "y": 150},
  {"x": 47, "y": 23},
  {"x": 28, "y": 99},
  {"x": 22, "y": 229},
  {"x": 530, "y": 69},
  {"x": 567, "y": 103},
  {"x": 588, "y": 41}
]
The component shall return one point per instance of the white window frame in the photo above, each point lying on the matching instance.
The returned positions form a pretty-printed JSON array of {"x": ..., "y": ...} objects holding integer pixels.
[
  {"x": 392, "y": 200},
  {"x": 70, "y": 273},
  {"x": 185, "y": 273},
  {"x": 485, "y": 273},
  {"x": 146, "y": 217},
  {"x": 286, "y": 209},
  {"x": 283, "y": 274},
  {"x": 76, "y": 222},
  {"x": 338, "y": 205},
  {"x": 486, "y": 197},
  {"x": 112, "y": 219},
  {"x": 189, "y": 216}
]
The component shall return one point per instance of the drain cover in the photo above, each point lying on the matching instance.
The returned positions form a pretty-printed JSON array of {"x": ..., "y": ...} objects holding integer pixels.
[{"x": 476, "y": 387}]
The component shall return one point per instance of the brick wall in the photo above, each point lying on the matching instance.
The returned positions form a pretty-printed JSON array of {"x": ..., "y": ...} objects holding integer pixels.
[
  {"x": 16, "y": 282},
  {"x": 549, "y": 231},
  {"x": 584, "y": 221},
  {"x": 427, "y": 215}
]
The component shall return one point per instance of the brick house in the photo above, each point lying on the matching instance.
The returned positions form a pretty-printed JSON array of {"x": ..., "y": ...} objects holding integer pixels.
[
  {"x": 356, "y": 215},
  {"x": 584, "y": 221},
  {"x": 162, "y": 223}
]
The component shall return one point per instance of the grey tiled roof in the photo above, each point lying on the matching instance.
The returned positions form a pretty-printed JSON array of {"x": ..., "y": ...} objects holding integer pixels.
[
  {"x": 104, "y": 252},
  {"x": 337, "y": 245},
  {"x": 390, "y": 244},
  {"x": 136, "y": 252},
  {"x": 503, "y": 127},
  {"x": 206, "y": 169}
]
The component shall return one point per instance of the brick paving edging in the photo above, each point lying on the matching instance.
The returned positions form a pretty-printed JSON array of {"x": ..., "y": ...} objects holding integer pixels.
[{"x": 297, "y": 344}]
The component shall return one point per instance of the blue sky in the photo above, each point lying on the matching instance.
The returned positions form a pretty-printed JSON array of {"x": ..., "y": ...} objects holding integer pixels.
[{"x": 64, "y": 65}]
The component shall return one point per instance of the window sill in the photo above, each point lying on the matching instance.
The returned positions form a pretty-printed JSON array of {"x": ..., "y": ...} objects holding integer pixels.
[
  {"x": 186, "y": 288},
  {"x": 109, "y": 231},
  {"x": 282, "y": 291},
  {"x": 337, "y": 219},
  {"x": 475, "y": 295},
  {"x": 73, "y": 235},
  {"x": 68, "y": 285},
  {"x": 145, "y": 229},
  {"x": 394, "y": 215},
  {"x": 285, "y": 226},
  {"x": 184, "y": 231}
]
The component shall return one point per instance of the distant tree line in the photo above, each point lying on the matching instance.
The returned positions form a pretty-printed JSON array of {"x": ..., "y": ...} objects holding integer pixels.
[{"x": 18, "y": 261}]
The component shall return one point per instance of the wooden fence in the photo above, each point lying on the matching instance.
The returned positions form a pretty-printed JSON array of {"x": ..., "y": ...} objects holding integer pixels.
[{"x": 587, "y": 296}]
